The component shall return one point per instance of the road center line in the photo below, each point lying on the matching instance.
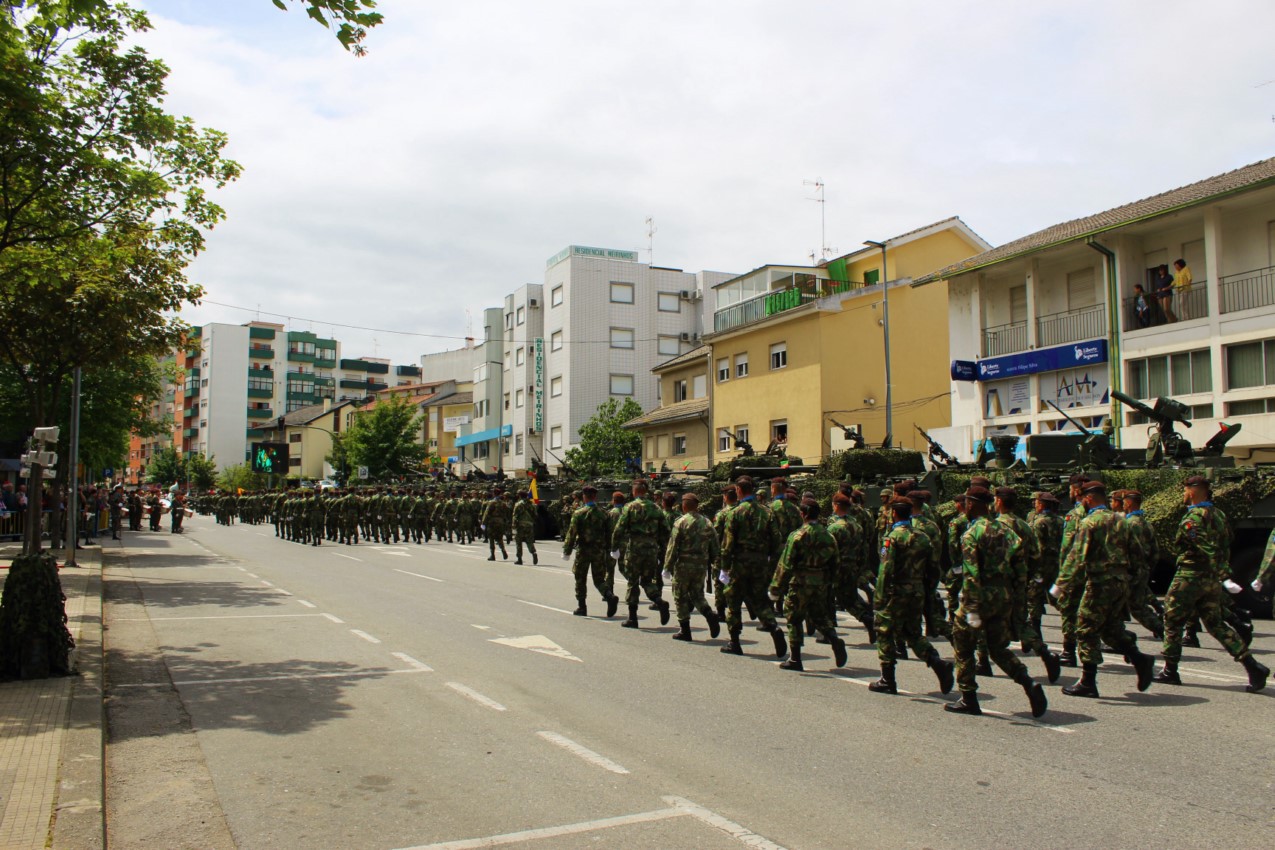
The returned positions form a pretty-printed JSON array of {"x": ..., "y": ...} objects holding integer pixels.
[
  {"x": 585, "y": 753},
  {"x": 475, "y": 696},
  {"x": 554, "y": 831},
  {"x": 348, "y": 557},
  {"x": 418, "y": 575},
  {"x": 546, "y": 607},
  {"x": 412, "y": 662},
  {"x": 334, "y": 618},
  {"x": 307, "y": 604},
  {"x": 367, "y": 637}
]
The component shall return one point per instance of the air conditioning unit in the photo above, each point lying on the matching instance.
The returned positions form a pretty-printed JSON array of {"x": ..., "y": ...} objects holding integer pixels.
[
  {"x": 685, "y": 295},
  {"x": 533, "y": 302},
  {"x": 694, "y": 337},
  {"x": 686, "y": 337}
]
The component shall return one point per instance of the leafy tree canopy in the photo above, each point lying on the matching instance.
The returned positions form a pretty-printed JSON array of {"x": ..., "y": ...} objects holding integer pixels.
[
  {"x": 240, "y": 477},
  {"x": 385, "y": 439},
  {"x": 606, "y": 447}
]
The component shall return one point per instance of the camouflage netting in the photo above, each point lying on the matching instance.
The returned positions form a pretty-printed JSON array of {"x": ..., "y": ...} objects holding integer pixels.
[
  {"x": 730, "y": 469},
  {"x": 872, "y": 465}
]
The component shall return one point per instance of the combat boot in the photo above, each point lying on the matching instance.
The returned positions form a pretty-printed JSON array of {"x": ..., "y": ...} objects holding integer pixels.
[
  {"x": 943, "y": 670},
  {"x": 612, "y": 605},
  {"x": 886, "y": 684},
  {"x": 1257, "y": 673},
  {"x": 664, "y": 612},
  {"x": 582, "y": 610},
  {"x": 810, "y": 627},
  {"x": 984, "y": 666},
  {"x": 714, "y": 624},
  {"x": 901, "y": 651},
  {"x": 1145, "y": 666},
  {"x": 1088, "y": 684},
  {"x": 535, "y": 558},
  {"x": 684, "y": 630},
  {"x": 1053, "y": 666},
  {"x": 869, "y": 624},
  {"x": 1169, "y": 675},
  {"x": 721, "y": 611},
  {"x": 1035, "y": 693},
  {"x": 794, "y": 660},
  {"x": 967, "y": 704},
  {"x": 1244, "y": 628},
  {"x": 518, "y": 560},
  {"x": 1067, "y": 657},
  {"x": 1192, "y": 637},
  {"x": 632, "y": 621},
  {"x": 839, "y": 654},
  {"x": 781, "y": 644},
  {"x": 733, "y": 647}
]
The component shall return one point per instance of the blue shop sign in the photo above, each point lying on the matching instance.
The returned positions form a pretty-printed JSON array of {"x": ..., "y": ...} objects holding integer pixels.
[
  {"x": 964, "y": 370},
  {"x": 1043, "y": 360}
]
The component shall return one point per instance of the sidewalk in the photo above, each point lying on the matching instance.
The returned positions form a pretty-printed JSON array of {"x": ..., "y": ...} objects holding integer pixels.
[{"x": 51, "y": 731}]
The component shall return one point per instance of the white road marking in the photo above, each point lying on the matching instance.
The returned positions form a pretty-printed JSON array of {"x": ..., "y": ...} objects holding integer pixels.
[
  {"x": 241, "y": 569},
  {"x": 418, "y": 575},
  {"x": 307, "y": 604},
  {"x": 546, "y": 607},
  {"x": 402, "y": 553},
  {"x": 252, "y": 575},
  {"x": 282, "y": 677},
  {"x": 259, "y": 534},
  {"x": 553, "y": 570},
  {"x": 475, "y": 696},
  {"x": 484, "y": 628},
  {"x": 922, "y": 698},
  {"x": 216, "y": 617},
  {"x": 266, "y": 583},
  {"x": 334, "y": 618},
  {"x": 734, "y": 830},
  {"x": 583, "y": 752},
  {"x": 367, "y": 637},
  {"x": 412, "y": 662},
  {"x": 1212, "y": 674},
  {"x": 348, "y": 557},
  {"x": 537, "y": 643},
  {"x": 282, "y": 591},
  {"x": 553, "y": 831}
]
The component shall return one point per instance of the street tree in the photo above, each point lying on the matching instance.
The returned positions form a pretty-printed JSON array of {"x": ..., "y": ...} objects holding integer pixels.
[
  {"x": 385, "y": 439},
  {"x": 167, "y": 467},
  {"x": 201, "y": 472},
  {"x": 605, "y": 447},
  {"x": 240, "y": 476}
]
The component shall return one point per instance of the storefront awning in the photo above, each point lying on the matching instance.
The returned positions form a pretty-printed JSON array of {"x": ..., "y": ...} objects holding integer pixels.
[{"x": 484, "y": 436}]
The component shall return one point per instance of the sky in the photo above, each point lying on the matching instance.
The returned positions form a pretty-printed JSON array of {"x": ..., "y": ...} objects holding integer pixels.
[{"x": 405, "y": 191}]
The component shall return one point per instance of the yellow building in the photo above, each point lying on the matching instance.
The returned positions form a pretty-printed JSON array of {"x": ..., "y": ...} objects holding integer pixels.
[
  {"x": 308, "y": 432},
  {"x": 678, "y": 434},
  {"x": 799, "y": 352},
  {"x": 448, "y": 415}
]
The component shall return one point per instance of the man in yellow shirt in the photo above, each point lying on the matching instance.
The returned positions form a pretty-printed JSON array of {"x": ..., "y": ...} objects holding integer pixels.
[{"x": 1182, "y": 286}]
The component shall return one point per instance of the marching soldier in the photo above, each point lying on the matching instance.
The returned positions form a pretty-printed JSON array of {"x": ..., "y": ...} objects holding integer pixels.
[
  {"x": 1025, "y": 572},
  {"x": 641, "y": 534},
  {"x": 525, "y": 527},
  {"x": 495, "y": 522},
  {"x": 805, "y": 567},
  {"x": 587, "y": 534},
  {"x": 746, "y": 571},
  {"x": 692, "y": 548},
  {"x": 1144, "y": 552}
]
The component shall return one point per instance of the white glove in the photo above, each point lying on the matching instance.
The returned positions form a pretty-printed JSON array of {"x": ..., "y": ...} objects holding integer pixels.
[
  {"x": 774, "y": 595},
  {"x": 975, "y": 621},
  {"x": 1039, "y": 580},
  {"x": 1054, "y": 591},
  {"x": 723, "y": 577},
  {"x": 482, "y": 527},
  {"x": 1231, "y": 587},
  {"x": 958, "y": 569},
  {"x": 1257, "y": 585},
  {"x": 615, "y": 554},
  {"x": 667, "y": 576}
]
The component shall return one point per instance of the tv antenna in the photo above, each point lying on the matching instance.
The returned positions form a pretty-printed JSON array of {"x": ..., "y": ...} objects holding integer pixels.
[
  {"x": 651, "y": 230},
  {"x": 824, "y": 250}
]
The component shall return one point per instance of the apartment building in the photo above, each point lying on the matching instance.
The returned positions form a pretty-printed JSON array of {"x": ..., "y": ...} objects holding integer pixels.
[{"x": 678, "y": 434}]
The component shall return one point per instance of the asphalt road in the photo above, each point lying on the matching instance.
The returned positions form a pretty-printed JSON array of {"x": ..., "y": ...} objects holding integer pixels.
[{"x": 420, "y": 696}]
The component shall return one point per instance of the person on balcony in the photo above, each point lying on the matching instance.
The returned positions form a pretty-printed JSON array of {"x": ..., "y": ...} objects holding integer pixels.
[
  {"x": 1181, "y": 286},
  {"x": 1141, "y": 306},
  {"x": 1163, "y": 288}
]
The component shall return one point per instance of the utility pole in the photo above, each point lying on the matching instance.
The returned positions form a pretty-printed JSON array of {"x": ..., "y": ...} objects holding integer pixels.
[
  {"x": 73, "y": 498},
  {"x": 823, "y": 217},
  {"x": 885, "y": 323}
]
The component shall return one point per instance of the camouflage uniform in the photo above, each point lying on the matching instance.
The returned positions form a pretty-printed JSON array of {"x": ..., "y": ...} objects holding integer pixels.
[
  {"x": 932, "y": 606},
  {"x": 1203, "y": 541},
  {"x": 692, "y": 547},
  {"x": 746, "y": 551},
  {"x": 848, "y": 534},
  {"x": 1048, "y": 527},
  {"x": 525, "y": 530},
  {"x": 955, "y": 576},
  {"x": 1144, "y": 552},
  {"x": 900, "y": 598},
  {"x": 1266, "y": 571},
  {"x": 786, "y": 518},
  {"x": 801, "y": 578},
  {"x": 987, "y": 551},
  {"x": 641, "y": 533},
  {"x": 587, "y": 535},
  {"x": 495, "y": 520},
  {"x": 1025, "y": 571},
  {"x": 1071, "y": 578},
  {"x": 715, "y": 568}
]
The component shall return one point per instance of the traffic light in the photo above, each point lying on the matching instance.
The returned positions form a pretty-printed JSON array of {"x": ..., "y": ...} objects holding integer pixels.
[{"x": 270, "y": 458}]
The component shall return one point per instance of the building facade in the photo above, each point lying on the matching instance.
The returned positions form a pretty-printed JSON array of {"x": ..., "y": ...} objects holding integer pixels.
[{"x": 677, "y": 436}]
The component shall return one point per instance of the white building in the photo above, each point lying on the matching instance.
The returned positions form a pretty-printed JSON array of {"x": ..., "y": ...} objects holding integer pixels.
[
  {"x": 1052, "y": 317},
  {"x": 480, "y": 440}
]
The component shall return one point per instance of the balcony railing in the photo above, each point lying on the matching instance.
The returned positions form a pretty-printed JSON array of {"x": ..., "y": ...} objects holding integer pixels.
[
  {"x": 260, "y": 413},
  {"x": 261, "y": 351},
  {"x": 1248, "y": 290},
  {"x": 1071, "y": 326},
  {"x": 777, "y": 301},
  {"x": 1005, "y": 339},
  {"x": 1184, "y": 305}
]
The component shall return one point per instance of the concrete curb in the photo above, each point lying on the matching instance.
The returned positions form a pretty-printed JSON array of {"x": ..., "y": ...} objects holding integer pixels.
[{"x": 79, "y": 813}]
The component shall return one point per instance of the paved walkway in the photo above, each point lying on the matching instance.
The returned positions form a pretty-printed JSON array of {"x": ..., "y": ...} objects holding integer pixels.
[{"x": 51, "y": 732}]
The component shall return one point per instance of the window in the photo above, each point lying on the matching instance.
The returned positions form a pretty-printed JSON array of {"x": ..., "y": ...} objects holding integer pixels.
[
  {"x": 741, "y": 433},
  {"x": 871, "y": 277},
  {"x": 670, "y": 302},
  {"x": 203, "y": 403},
  {"x": 325, "y": 353},
  {"x": 518, "y": 444},
  {"x": 670, "y": 346},
  {"x": 509, "y": 321},
  {"x": 555, "y": 341},
  {"x": 294, "y": 461},
  {"x": 724, "y": 440},
  {"x": 1250, "y": 364},
  {"x": 621, "y": 293},
  {"x": 661, "y": 445},
  {"x": 519, "y": 398},
  {"x": 204, "y": 382},
  {"x": 679, "y": 391},
  {"x": 679, "y": 444},
  {"x": 555, "y": 437},
  {"x": 699, "y": 386},
  {"x": 741, "y": 365},
  {"x": 1080, "y": 289},
  {"x": 261, "y": 384},
  {"x": 650, "y": 449},
  {"x": 555, "y": 296},
  {"x": 621, "y": 385},
  {"x": 506, "y": 401},
  {"x": 723, "y": 370},
  {"x": 621, "y": 338},
  {"x": 522, "y": 315},
  {"x": 508, "y": 355},
  {"x": 480, "y": 373},
  {"x": 520, "y": 356},
  {"x": 294, "y": 438},
  {"x": 1018, "y": 304},
  {"x": 779, "y": 431},
  {"x": 778, "y": 355},
  {"x": 1251, "y": 407},
  {"x": 555, "y": 386},
  {"x": 1171, "y": 375}
]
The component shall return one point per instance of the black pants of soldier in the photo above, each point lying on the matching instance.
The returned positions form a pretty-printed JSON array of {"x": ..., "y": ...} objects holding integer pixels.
[{"x": 995, "y": 631}]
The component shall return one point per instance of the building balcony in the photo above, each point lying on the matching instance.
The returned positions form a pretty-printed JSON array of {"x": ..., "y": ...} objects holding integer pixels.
[
  {"x": 1004, "y": 339},
  {"x": 347, "y": 384},
  {"x": 260, "y": 372},
  {"x": 408, "y": 371},
  {"x": 772, "y": 303},
  {"x": 1071, "y": 326},
  {"x": 300, "y": 357},
  {"x": 189, "y": 432},
  {"x": 260, "y": 413},
  {"x": 191, "y": 389},
  {"x": 1248, "y": 290},
  {"x": 255, "y": 434},
  {"x": 260, "y": 393},
  {"x": 365, "y": 366},
  {"x": 1193, "y": 303},
  {"x": 188, "y": 412},
  {"x": 261, "y": 351},
  {"x": 261, "y": 333}
]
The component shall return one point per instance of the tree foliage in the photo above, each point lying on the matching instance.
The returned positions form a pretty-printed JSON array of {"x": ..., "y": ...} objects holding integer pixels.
[
  {"x": 605, "y": 447},
  {"x": 166, "y": 467},
  {"x": 240, "y": 477},
  {"x": 385, "y": 439},
  {"x": 201, "y": 472}
]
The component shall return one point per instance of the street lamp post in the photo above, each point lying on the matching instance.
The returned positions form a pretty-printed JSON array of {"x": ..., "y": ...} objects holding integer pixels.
[{"x": 885, "y": 322}]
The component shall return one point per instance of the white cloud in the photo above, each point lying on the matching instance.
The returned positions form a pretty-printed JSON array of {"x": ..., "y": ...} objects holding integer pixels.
[{"x": 477, "y": 139}]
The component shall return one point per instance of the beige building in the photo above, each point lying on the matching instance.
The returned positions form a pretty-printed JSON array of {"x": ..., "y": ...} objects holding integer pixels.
[
  {"x": 678, "y": 435},
  {"x": 308, "y": 432},
  {"x": 447, "y": 415}
]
